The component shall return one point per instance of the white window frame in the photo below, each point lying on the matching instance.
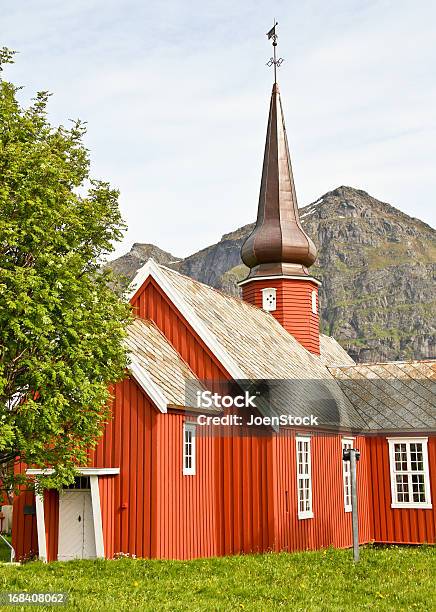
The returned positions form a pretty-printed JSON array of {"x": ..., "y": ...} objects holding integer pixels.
[
  {"x": 346, "y": 475},
  {"x": 314, "y": 302},
  {"x": 189, "y": 470},
  {"x": 269, "y": 292},
  {"x": 409, "y": 472},
  {"x": 304, "y": 476}
]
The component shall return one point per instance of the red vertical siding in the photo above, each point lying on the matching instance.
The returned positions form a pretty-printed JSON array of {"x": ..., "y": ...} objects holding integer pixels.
[
  {"x": 186, "y": 511},
  {"x": 293, "y": 307},
  {"x": 242, "y": 474},
  {"x": 398, "y": 525},
  {"x": 330, "y": 525},
  {"x": 127, "y": 443},
  {"x": 107, "y": 503},
  {"x": 51, "y": 518},
  {"x": 246, "y": 496},
  {"x": 24, "y": 532},
  {"x": 24, "y": 535}
]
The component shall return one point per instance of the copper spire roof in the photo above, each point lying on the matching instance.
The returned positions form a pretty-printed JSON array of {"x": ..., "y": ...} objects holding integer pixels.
[{"x": 278, "y": 244}]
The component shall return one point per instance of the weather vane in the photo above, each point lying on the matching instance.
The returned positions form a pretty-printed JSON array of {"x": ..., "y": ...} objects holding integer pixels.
[{"x": 273, "y": 60}]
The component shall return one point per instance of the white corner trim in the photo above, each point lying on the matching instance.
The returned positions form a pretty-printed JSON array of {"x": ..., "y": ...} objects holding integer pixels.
[
  {"x": 96, "y": 514},
  {"x": 146, "y": 383},
  {"x": 40, "y": 528},
  {"x": 280, "y": 276},
  {"x": 83, "y": 471},
  {"x": 153, "y": 270}
]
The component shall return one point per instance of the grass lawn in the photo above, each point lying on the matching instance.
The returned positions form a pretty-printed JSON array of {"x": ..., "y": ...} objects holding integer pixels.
[
  {"x": 389, "y": 578},
  {"x": 5, "y": 551}
]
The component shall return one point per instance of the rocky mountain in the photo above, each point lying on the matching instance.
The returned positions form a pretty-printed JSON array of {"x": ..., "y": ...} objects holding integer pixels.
[{"x": 376, "y": 264}]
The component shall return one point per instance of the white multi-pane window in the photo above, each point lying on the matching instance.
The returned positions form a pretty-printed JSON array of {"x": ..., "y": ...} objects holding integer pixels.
[
  {"x": 304, "y": 478},
  {"x": 188, "y": 449},
  {"x": 346, "y": 470},
  {"x": 410, "y": 479}
]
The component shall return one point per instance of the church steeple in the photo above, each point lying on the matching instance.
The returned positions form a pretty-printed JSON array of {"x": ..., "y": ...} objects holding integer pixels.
[
  {"x": 278, "y": 251},
  {"x": 278, "y": 243}
]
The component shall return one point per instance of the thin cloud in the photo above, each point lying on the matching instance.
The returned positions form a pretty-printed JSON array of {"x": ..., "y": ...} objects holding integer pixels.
[{"x": 176, "y": 99}]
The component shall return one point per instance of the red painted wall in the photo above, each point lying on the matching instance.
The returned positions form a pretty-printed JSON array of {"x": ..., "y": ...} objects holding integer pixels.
[
  {"x": 246, "y": 505},
  {"x": 129, "y": 443},
  {"x": 330, "y": 525},
  {"x": 24, "y": 533},
  {"x": 243, "y": 472},
  {"x": 107, "y": 503},
  {"x": 293, "y": 307},
  {"x": 24, "y": 536},
  {"x": 185, "y": 505},
  {"x": 151, "y": 509},
  {"x": 399, "y": 525},
  {"x": 51, "y": 512}
]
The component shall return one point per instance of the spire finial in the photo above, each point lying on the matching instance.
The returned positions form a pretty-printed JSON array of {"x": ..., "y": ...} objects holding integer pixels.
[
  {"x": 273, "y": 61},
  {"x": 278, "y": 245}
]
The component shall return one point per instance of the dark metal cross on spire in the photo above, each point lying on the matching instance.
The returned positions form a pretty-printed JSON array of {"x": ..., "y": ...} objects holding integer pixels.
[{"x": 273, "y": 60}]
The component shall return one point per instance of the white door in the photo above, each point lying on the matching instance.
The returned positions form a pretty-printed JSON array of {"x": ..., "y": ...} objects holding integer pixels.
[{"x": 76, "y": 526}]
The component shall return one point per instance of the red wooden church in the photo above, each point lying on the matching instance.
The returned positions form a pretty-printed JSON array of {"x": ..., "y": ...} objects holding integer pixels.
[{"x": 163, "y": 484}]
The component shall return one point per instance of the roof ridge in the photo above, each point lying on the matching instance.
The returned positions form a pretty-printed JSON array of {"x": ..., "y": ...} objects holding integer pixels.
[
  {"x": 219, "y": 291},
  {"x": 268, "y": 316},
  {"x": 381, "y": 363}
]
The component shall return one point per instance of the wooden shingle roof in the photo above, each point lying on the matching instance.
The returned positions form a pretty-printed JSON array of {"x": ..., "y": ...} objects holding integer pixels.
[
  {"x": 154, "y": 357},
  {"x": 259, "y": 348},
  {"x": 398, "y": 395},
  {"x": 252, "y": 346},
  {"x": 332, "y": 353}
]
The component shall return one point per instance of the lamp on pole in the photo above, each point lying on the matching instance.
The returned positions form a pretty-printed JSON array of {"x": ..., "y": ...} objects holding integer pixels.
[{"x": 353, "y": 455}]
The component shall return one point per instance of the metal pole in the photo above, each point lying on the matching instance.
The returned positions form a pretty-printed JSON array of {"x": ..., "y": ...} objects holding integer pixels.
[{"x": 354, "y": 516}]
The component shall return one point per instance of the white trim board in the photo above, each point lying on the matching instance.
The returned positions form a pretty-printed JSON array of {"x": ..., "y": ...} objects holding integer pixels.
[
  {"x": 82, "y": 471},
  {"x": 96, "y": 515},
  {"x": 40, "y": 527},
  {"x": 280, "y": 276}
]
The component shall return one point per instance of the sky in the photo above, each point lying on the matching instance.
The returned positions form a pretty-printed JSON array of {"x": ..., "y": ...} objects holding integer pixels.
[{"x": 176, "y": 96}]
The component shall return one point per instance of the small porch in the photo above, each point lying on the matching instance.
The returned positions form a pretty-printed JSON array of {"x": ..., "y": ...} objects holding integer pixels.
[{"x": 75, "y": 523}]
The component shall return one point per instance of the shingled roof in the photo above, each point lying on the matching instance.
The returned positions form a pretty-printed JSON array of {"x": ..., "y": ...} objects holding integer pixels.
[
  {"x": 332, "y": 353},
  {"x": 155, "y": 363},
  {"x": 392, "y": 396},
  {"x": 252, "y": 346}
]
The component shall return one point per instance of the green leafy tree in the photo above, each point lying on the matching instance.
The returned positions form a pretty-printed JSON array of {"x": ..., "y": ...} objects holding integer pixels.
[{"x": 61, "y": 327}]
